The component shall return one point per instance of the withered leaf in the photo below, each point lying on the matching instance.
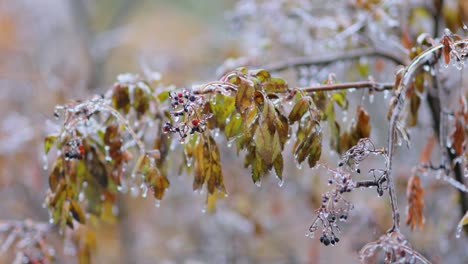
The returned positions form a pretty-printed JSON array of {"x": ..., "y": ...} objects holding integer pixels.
[
  {"x": 140, "y": 101},
  {"x": 121, "y": 98},
  {"x": 458, "y": 137},
  {"x": 415, "y": 193}
]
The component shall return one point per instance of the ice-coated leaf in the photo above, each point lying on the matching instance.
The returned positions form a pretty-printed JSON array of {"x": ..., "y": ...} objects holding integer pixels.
[
  {"x": 278, "y": 165},
  {"x": 49, "y": 142},
  {"x": 261, "y": 75},
  {"x": 244, "y": 97},
  {"x": 140, "y": 101},
  {"x": 222, "y": 107},
  {"x": 340, "y": 99},
  {"x": 121, "y": 98},
  {"x": 464, "y": 220},
  {"x": 77, "y": 212},
  {"x": 259, "y": 168},
  {"x": 300, "y": 108},
  {"x": 233, "y": 127},
  {"x": 267, "y": 145},
  {"x": 282, "y": 127},
  {"x": 269, "y": 115},
  {"x": 275, "y": 85}
]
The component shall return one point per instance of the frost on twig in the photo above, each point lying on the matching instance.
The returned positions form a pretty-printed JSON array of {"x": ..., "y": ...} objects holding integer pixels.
[
  {"x": 395, "y": 248},
  {"x": 28, "y": 239}
]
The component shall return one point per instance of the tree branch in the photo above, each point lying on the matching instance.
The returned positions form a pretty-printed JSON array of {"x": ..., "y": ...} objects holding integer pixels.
[
  {"x": 408, "y": 75},
  {"x": 327, "y": 59},
  {"x": 351, "y": 85}
]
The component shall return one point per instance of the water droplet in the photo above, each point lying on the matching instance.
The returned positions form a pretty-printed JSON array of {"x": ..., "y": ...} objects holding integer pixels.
[
  {"x": 298, "y": 165},
  {"x": 144, "y": 191},
  {"x": 157, "y": 204},
  {"x": 371, "y": 98},
  {"x": 258, "y": 183},
  {"x": 458, "y": 231},
  {"x": 280, "y": 183}
]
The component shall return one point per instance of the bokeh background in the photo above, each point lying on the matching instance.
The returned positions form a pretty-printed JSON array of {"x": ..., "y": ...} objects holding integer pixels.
[{"x": 55, "y": 50}]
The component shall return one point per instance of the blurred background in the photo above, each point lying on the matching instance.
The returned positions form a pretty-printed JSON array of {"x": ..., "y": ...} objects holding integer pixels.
[{"x": 55, "y": 50}]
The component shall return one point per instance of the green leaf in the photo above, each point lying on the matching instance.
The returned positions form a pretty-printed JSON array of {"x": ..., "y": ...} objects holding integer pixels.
[
  {"x": 261, "y": 75},
  {"x": 299, "y": 109},
  {"x": 340, "y": 99},
  {"x": 222, "y": 107},
  {"x": 233, "y": 127},
  {"x": 259, "y": 168},
  {"x": 464, "y": 220},
  {"x": 77, "y": 212},
  {"x": 49, "y": 142},
  {"x": 278, "y": 165}
]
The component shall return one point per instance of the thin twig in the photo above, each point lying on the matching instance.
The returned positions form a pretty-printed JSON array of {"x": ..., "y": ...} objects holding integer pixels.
[
  {"x": 320, "y": 61},
  {"x": 345, "y": 86}
]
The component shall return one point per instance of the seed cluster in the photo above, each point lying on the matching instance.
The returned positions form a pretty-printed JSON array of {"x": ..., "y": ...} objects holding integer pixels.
[
  {"x": 187, "y": 114},
  {"x": 75, "y": 149}
]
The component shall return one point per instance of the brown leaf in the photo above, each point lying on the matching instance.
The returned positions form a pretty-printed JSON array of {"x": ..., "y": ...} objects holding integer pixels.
[
  {"x": 458, "y": 137},
  {"x": 415, "y": 193},
  {"x": 446, "y": 41}
]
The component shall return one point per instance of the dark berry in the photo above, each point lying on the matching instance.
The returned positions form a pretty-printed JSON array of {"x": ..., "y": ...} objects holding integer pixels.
[
  {"x": 358, "y": 171},
  {"x": 340, "y": 164},
  {"x": 192, "y": 98},
  {"x": 337, "y": 240},
  {"x": 321, "y": 239},
  {"x": 332, "y": 241},
  {"x": 326, "y": 241},
  {"x": 177, "y": 129},
  {"x": 330, "y": 182}
]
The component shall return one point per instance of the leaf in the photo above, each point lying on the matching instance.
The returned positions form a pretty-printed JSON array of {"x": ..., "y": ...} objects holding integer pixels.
[
  {"x": 56, "y": 175},
  {"x": 244, "y": 97},
  {"x": 269, "y": 115},
  {"x": 340, "y": 99},
  {"x": 309, "y": 148},
  {"x": 261, "y": 75},
  {"x": 363, "y": 127},
  {"x": 264, "y": 143},
  {"x": 464, "y": 220},
  {"x": 282, "y": 127},
  {"x": 121, "y": 98},
  {"x": 316, "y": 150},
  {"x": 222, "y": 107},
  {"x": 278, "y": 165},
  {"x": 415, "y": 193},
  {"x": 458, "y": 137},
  {"x": 299, "y": 109},
  {"x": 275, "y": 85},
  {"x": 446, "y": 49},
  {"x": 233, "y": 127},
  {"x": 259, "y": 168},
  {"x": 140, "y": 101},
  {"x": 77, "y": 212},
  {"x": 49, "y": 142}
]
